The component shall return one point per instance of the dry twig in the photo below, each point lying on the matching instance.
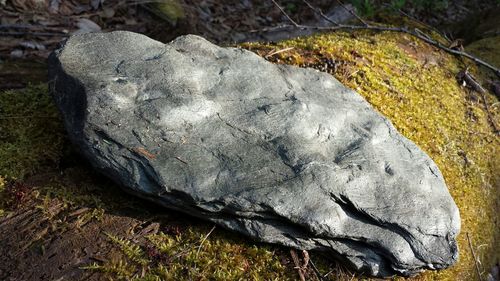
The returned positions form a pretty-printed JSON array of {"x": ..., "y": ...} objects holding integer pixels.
[
  {"x": 274, "y": 52},
  {"x": 474, "y": 256},
  {"x": 413, "y": 32},
  {"x": 285, "y": 14},
  {"x": 316, "y": 271},
  {"x": 352, "y": 13},
  {"x": 203, "y": 240},
  {"x": 469, "y": 80},
  {"x": 19, "y": 33},
  {"x": 318, "y": 11},
  {"x": 296, "y": 261}
]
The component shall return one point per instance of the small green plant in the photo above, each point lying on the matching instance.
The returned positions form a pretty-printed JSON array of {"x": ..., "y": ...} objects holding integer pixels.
[
  {"x": 191, "y": 255},
  {"x": 119, "y": 269},
  {"x": 133, "y": 252}
]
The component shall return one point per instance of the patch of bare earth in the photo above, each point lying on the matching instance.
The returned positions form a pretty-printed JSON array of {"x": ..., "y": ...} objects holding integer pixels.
[{"x": 50, "y": 236}]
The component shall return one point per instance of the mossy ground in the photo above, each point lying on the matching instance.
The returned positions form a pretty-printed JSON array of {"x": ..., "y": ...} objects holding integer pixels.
[{"x": 408, "y": 81}]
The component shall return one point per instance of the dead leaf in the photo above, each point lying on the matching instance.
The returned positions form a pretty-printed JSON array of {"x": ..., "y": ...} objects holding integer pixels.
[
  {"x": 108, "y": 12},
  {"x": 457, "y": 44},
  {"x": 32, "y": 45},
  {"x": 96, "y": 3},
  {"x": 29, "y": 5},
  {"x": 16, "y": 54},
  {"x": 54, "y": 6},
  {"x": 86, "y": 26},
  {"x": 144, "y": 152}
]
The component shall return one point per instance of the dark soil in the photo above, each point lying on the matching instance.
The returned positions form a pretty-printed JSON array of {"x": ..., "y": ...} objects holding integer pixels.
[{"x": 47, "y": 238}]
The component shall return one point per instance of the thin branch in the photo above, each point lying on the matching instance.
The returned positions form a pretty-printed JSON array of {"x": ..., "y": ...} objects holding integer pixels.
[
  {"x": 26, "y": 117},
  {"x": 15, "y": 26},
  {"x": 274, "y": 52},
  {"x": 286, "y": 15},
  {"x": 415, "y": 32},
  {"x": 203, "y": 241},
  {"x": 19, "y": 33},
  {"x": 296, "y": 261},
  {"x": 424, "y": 24},
  {"x": 316, "y": 271},
  {"x": 318, "y": 11},
  {"x": 474, "y": 256},
  {"x": 353, "y": 13}
]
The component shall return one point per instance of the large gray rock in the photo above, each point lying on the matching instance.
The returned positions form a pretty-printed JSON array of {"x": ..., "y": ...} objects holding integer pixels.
[{"x": 282, "y": 154}]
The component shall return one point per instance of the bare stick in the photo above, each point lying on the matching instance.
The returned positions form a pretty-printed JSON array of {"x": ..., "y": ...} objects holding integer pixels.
[
  {"x": 203, "y": 241},
  {"x": 316, "y": 270},
  {"x": 353, "y": 13},
  {"x": 26, "y": 117},
  {"x": 318, "y": 11},
  {"x": 278, "y": 51},
  {"x": 18, "y": 33},
  {"x": 474, "y": 256},
  {"x": 417, "y": 34},
  {"x": 296, "y": 261},
  {"x": 490, "y": 118},
  {"x": 286, "y": 15}
]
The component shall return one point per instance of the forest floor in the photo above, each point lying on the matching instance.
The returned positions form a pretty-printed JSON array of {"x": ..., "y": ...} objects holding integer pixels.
[{"x": 61, "y": 220}]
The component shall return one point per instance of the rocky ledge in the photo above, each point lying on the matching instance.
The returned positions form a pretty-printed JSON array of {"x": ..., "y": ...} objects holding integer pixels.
[{"x": 282, "y": 154}]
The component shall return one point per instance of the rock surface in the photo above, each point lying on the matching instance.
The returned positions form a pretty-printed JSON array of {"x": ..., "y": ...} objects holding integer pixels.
[{"x": 282, "y": 154}]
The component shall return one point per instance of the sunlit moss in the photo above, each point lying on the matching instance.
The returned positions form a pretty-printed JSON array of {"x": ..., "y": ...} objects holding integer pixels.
[
  {"x": 414, "y": 85},
  {"x": 192, "y": 254}
]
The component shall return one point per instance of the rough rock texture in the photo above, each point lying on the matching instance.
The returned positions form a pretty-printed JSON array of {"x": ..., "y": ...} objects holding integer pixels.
[{"x": 279, "y": 153}]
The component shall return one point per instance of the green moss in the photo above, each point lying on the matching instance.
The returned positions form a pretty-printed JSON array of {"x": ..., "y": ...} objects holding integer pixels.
[
  {"x": 488, "y": 50},
  {"x": 31, "y": 134},
  {"x": 132, "y": 251},
  {"x": 414, "y": 85},
  {"x": 193, "y": 254}
]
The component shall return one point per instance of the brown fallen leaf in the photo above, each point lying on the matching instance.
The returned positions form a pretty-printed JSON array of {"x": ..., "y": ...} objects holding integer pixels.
[
  {"x": 144, "y": 152},
  {"x": 457, "y": 45}
]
